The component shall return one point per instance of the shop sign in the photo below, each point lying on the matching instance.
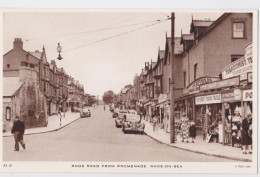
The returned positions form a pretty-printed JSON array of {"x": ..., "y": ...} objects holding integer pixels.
[
  {"x": 220, "y": 84},
  {"x": 194, "y": 87},
  {"x": 240, "y": 67},
  {"x": 162, "y": 98},
  {"x": 249, "y": 77},
  {"x": 247, "y": 95},
  {"x": 208, "y": 99},
  {"x": 227, "y": 97},
  {"x": 237, "y": 94}
]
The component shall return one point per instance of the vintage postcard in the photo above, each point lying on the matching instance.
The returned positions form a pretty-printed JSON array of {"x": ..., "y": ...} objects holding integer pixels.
[{"x": 129, "y": 91}]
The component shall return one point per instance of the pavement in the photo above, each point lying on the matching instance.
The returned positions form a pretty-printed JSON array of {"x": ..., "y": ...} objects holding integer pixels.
[
  {"x": 54, "y": 124},
  {"x": 199, "y": 146}
]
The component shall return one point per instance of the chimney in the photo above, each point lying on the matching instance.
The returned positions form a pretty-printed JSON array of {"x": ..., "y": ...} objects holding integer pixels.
[{"x": 18, "y": 43}]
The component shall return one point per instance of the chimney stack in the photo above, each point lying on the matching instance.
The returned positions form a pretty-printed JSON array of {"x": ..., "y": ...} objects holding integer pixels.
[{"x": 18, "y": 43}]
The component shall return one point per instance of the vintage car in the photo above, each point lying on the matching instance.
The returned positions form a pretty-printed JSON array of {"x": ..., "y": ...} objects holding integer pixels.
[
  {"x": 85, "y": 113},
  {"x": 115, "y": 113},
  {"x": 120, "y": 118},
  {"x": 132, "y": 123}
]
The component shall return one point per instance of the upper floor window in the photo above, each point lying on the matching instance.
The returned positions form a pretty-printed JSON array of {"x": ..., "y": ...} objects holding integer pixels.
[
  {"x": 238, "y": 30},
  {"x": 169, "y": 84},
  {"x": 195, "y": 71},
  {"x": 235, "y": 57},
  {"x": 8, "y": 65},
  {"x": 24, "y": 63}
]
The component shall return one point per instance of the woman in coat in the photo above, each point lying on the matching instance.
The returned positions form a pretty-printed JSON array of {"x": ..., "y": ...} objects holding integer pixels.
[{"x": 244, "y": 134}]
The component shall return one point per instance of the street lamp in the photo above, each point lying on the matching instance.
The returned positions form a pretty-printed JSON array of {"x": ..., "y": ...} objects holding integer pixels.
[{"x": 59, "y": 48}]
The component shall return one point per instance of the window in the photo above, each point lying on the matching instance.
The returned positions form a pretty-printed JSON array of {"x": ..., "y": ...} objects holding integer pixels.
[
  {"x": 44, "y": 87},
  {"x": 8, "y": 113},
  {"x": 238, "y": 30},
  {"x": 8, "y": 65},
  {"x": 184, "y": 79},
  {"x": 169, "y": 57},
  {"x": 24, "y": 63},
  {"x": 32, "y": 65},
  {"x": 235, "y": 57},
  {"x": 195, "y": 71}
]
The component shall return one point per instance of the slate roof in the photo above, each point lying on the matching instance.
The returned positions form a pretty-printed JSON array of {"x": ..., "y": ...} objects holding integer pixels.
[
  {"x": 11, "y": 85},
  {"x": 36, "y": 54},
  {"x": 124, "y": 90},
  {"x": 178, "y": 47},
  {"x": 187, "y": 37},
  {"x": 202, "y": 23},
  {"x": 161, "y": 54}
]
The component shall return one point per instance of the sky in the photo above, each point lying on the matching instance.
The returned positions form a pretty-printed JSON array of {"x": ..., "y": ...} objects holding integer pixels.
[{"x": 91, "y": 52}]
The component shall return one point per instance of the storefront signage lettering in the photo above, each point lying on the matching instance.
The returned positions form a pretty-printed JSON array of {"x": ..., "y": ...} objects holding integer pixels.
[
  {"x": 194, "y": 87},
  {"x": 237, "y": 94},
  {"x": 249, "y": 77},
  {"x": 220, "y": 84},
  {"x": 240, "y": 67},
  {"x": 247, "y": 95},
  {"x": 209, "y": 99},
  {"x": 227, "y": 97}
]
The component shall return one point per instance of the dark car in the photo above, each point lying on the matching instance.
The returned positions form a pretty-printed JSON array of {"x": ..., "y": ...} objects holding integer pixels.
[
  {"x": 132, "y": 123},
  {"x": 85, "y": 113}
]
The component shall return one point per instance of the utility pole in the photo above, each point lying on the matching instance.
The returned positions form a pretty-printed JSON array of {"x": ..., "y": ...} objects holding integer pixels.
[{"x": 172, "y": 120}]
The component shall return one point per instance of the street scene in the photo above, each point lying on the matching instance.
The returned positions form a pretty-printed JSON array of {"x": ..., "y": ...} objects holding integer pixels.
[{"x": 128, "y": 87}]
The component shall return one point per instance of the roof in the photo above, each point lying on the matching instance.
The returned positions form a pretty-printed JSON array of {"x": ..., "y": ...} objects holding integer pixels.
[
  {"x": 124, "y": 90},
  {"x": 161, "y": 54},
  {"x": 202, "y": 23},
  {"x": 187, "y": 37},
  {"x": 11, "y": 85},
  {"x": 153, "y": 64},
  {"x": 36, "y": 54}
]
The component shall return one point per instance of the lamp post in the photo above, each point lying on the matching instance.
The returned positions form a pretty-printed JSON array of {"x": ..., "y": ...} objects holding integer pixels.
[{"x": 59, "y": 48}]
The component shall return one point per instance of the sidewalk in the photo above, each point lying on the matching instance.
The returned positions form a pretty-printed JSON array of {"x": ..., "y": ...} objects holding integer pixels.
[
  {"x": 199, "y": 146},
  {"x": 53, "y": 124}
]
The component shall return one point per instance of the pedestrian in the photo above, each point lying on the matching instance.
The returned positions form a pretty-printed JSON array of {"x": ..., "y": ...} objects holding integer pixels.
[
  {"x": 155, "y": 121},
  {"x": 18, "y": 131},
  {"x": 250, "y": 131},
  {"x": 192, "y": 131},
  {"x": 104, "y": 108},
  {"x": 245, "y": 141}
]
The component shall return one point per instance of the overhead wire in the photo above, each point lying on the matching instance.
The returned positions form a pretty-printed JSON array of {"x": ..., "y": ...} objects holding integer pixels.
[
  {"x": 90, "y": 31},
  {"x": 84, "y": 45}
]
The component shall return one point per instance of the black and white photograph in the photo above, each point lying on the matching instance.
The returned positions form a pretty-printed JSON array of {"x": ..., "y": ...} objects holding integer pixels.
[{"x": 163, "y": 91}]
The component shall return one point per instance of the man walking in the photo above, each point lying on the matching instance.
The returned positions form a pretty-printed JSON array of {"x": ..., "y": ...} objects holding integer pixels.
[{"x": 18, "y": 131}]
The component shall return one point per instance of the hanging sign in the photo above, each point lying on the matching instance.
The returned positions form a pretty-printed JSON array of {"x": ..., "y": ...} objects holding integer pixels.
[
  {"x": 247, "y": 95},
  {"x": 208, "y": 99},
  {"x": 220, "y": 84}
]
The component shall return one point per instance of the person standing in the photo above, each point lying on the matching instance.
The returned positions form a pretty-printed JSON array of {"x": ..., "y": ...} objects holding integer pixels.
[
  {"x": 18, "y": 131},
  {"x": 250, "y": 132},
  {"x": 192, "y": 131},
  {"x": 245, "y": 137}
]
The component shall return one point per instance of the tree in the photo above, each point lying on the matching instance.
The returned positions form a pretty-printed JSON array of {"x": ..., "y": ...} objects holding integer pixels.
[{"x": 108, "y": 96}]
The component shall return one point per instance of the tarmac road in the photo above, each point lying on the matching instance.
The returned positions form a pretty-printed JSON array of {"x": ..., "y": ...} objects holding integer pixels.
[{"x": 97, "y": 139}]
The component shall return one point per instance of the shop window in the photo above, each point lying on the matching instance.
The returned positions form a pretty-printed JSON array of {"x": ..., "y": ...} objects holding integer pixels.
[
  {"x": 8, "y": 114},
  {"x": 195, "y": 71},
  {"x": 235, "y": 57},
  {"x": 8, "y": 65},
  {"x": 238, "y": 30}
]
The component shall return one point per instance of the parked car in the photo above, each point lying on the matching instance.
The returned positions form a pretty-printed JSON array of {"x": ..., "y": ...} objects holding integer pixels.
[
  {"x": 115, "y": 114},
  {"x": 120, "y": 118},
  {"x": 132, "y": 123},
  {"x": 85, "y": 113}
]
